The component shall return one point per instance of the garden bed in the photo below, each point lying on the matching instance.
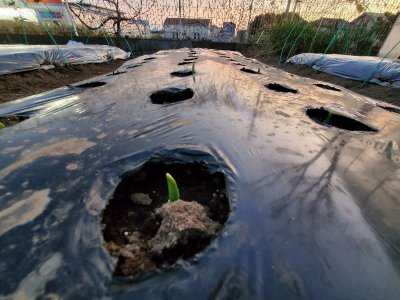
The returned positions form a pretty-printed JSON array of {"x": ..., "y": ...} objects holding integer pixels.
[{"x": 311, "y": 175}]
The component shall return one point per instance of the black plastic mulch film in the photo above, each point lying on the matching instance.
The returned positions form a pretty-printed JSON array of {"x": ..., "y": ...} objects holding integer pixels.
[{"x": 314, "y": 208}]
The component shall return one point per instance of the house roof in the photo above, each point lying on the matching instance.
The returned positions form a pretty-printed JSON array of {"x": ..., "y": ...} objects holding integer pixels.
[
  {"x": 187, "y": 22},
  {"x": 229, "y": 24}
]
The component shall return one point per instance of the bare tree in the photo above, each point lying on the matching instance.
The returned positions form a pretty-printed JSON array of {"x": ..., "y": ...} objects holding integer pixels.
[{"x": 116, "y": 12}]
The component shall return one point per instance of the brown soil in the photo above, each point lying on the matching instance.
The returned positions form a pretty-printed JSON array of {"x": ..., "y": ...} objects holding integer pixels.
[
  {"x": 24, "y": 84},
  {"x": 375, "y": 91},
  {"x": 130, "y": 228}
]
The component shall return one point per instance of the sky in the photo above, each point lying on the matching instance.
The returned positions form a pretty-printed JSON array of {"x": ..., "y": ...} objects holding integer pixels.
[{"x": 238, "y": 11}]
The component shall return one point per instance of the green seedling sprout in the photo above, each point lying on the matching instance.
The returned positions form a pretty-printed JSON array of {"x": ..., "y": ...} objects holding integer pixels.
[
  {"x": 328, "y": 118},
  {"x": 259, "y": 71},
  {"x": 2, "y": 125},
  {"x": 193, "y": 70},
  {"x": 173, "y": 191}
]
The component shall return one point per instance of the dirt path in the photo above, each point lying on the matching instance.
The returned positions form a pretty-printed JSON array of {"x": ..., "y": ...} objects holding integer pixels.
[
  {"x": 375, "y": 91},
  {"x": 19, "y": 85}
]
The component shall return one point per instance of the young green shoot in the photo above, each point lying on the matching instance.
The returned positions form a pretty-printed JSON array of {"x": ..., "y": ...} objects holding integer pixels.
[
  {"x": 328, "y": 118},
  {"x": 173, "y": 191},
  {"x": 259, "y": 71},
  {"x": 2, "y": 125},
  {"x": 193, "y": 65}
]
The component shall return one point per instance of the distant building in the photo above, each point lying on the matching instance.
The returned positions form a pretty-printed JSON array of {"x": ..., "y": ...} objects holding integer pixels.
[
  {"x": 138, "y": 28},
  {"x": 389, "y": 48},
  {"x": 368, "y": 19},
  {"x": 215, "y": 30},
  {"x": 242, "y": 36},
  {"x": 227, "y": 32},
  {"x": 194, "y": 29}
]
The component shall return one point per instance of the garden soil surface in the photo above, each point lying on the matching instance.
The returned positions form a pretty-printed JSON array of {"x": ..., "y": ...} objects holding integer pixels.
[{"x": 24, "y": 84}]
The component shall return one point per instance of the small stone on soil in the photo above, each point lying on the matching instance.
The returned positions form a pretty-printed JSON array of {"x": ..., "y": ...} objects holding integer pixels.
[{"x": 141, "y": 199}]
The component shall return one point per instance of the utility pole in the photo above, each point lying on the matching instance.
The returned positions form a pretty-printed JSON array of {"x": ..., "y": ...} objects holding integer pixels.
[
  {"x": 297, "y": 2},
  {"x": 294, "y": 7},
  {"x": 180, "y": 21},
  {"x": 70, "y": 17},
  {"x": 287, "y": 8},
  {"x": 250, "y": 9}
]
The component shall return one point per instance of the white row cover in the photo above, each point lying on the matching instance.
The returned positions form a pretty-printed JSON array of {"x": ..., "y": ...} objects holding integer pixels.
[
  {"x": 19, "y": 58},
  {"x": 385, "y": 73}
]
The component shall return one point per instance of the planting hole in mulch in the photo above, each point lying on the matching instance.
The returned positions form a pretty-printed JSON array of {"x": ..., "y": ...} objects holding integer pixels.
[
  {"x": 182, "y": 73},
  {"x": 250, "y": 71},
  {"x": 10, "y": 120},
  {"x": 146, "y": 233},
  {"x": 327, "y": 87},
  {"x": 116, "y": 73},
  {"x": 134, "y": 66},
  {"x": 390, "y": 108},
  {"x": 91, "y": 84},
  {"x": 171, "y": 95},
  {"x": 325, "y": 117},
  {"x": 185, "y": 63},
  {"x": 280, "y": 88}
]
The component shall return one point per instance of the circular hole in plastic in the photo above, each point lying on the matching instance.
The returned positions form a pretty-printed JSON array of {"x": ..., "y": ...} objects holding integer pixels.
[
  {"x": 147, "y": 232},
  {"x": 171, "y": 95},
  {"x": 390, "y": 108},
  {"x": 114, "y": 73},
  {"x": 134, "y": 66},
  {"x": 325, "y": 117},
  {"x": 182, "y": 73},
  {"x": 10, "y": 120},
  {"x": 280, "y": 88},
  {"x": 92, "y": 84},
  {"x": 327, "y": 87},
  {"x": 185, "y": 63},
  {"x": 246, "y": 70}
]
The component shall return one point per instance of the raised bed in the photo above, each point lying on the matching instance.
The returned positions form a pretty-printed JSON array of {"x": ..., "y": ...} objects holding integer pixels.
[{"x": 303, "y": 205}]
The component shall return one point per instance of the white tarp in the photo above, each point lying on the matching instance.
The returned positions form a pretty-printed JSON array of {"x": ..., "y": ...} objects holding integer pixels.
[
  {"x": 392, "y": 39},
  {"x": 372, "y": 68},
  {"x": 19, "y": 58}
]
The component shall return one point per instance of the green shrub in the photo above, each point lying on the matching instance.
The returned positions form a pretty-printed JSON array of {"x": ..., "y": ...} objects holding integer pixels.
[{"x": 288, "y": 37}]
